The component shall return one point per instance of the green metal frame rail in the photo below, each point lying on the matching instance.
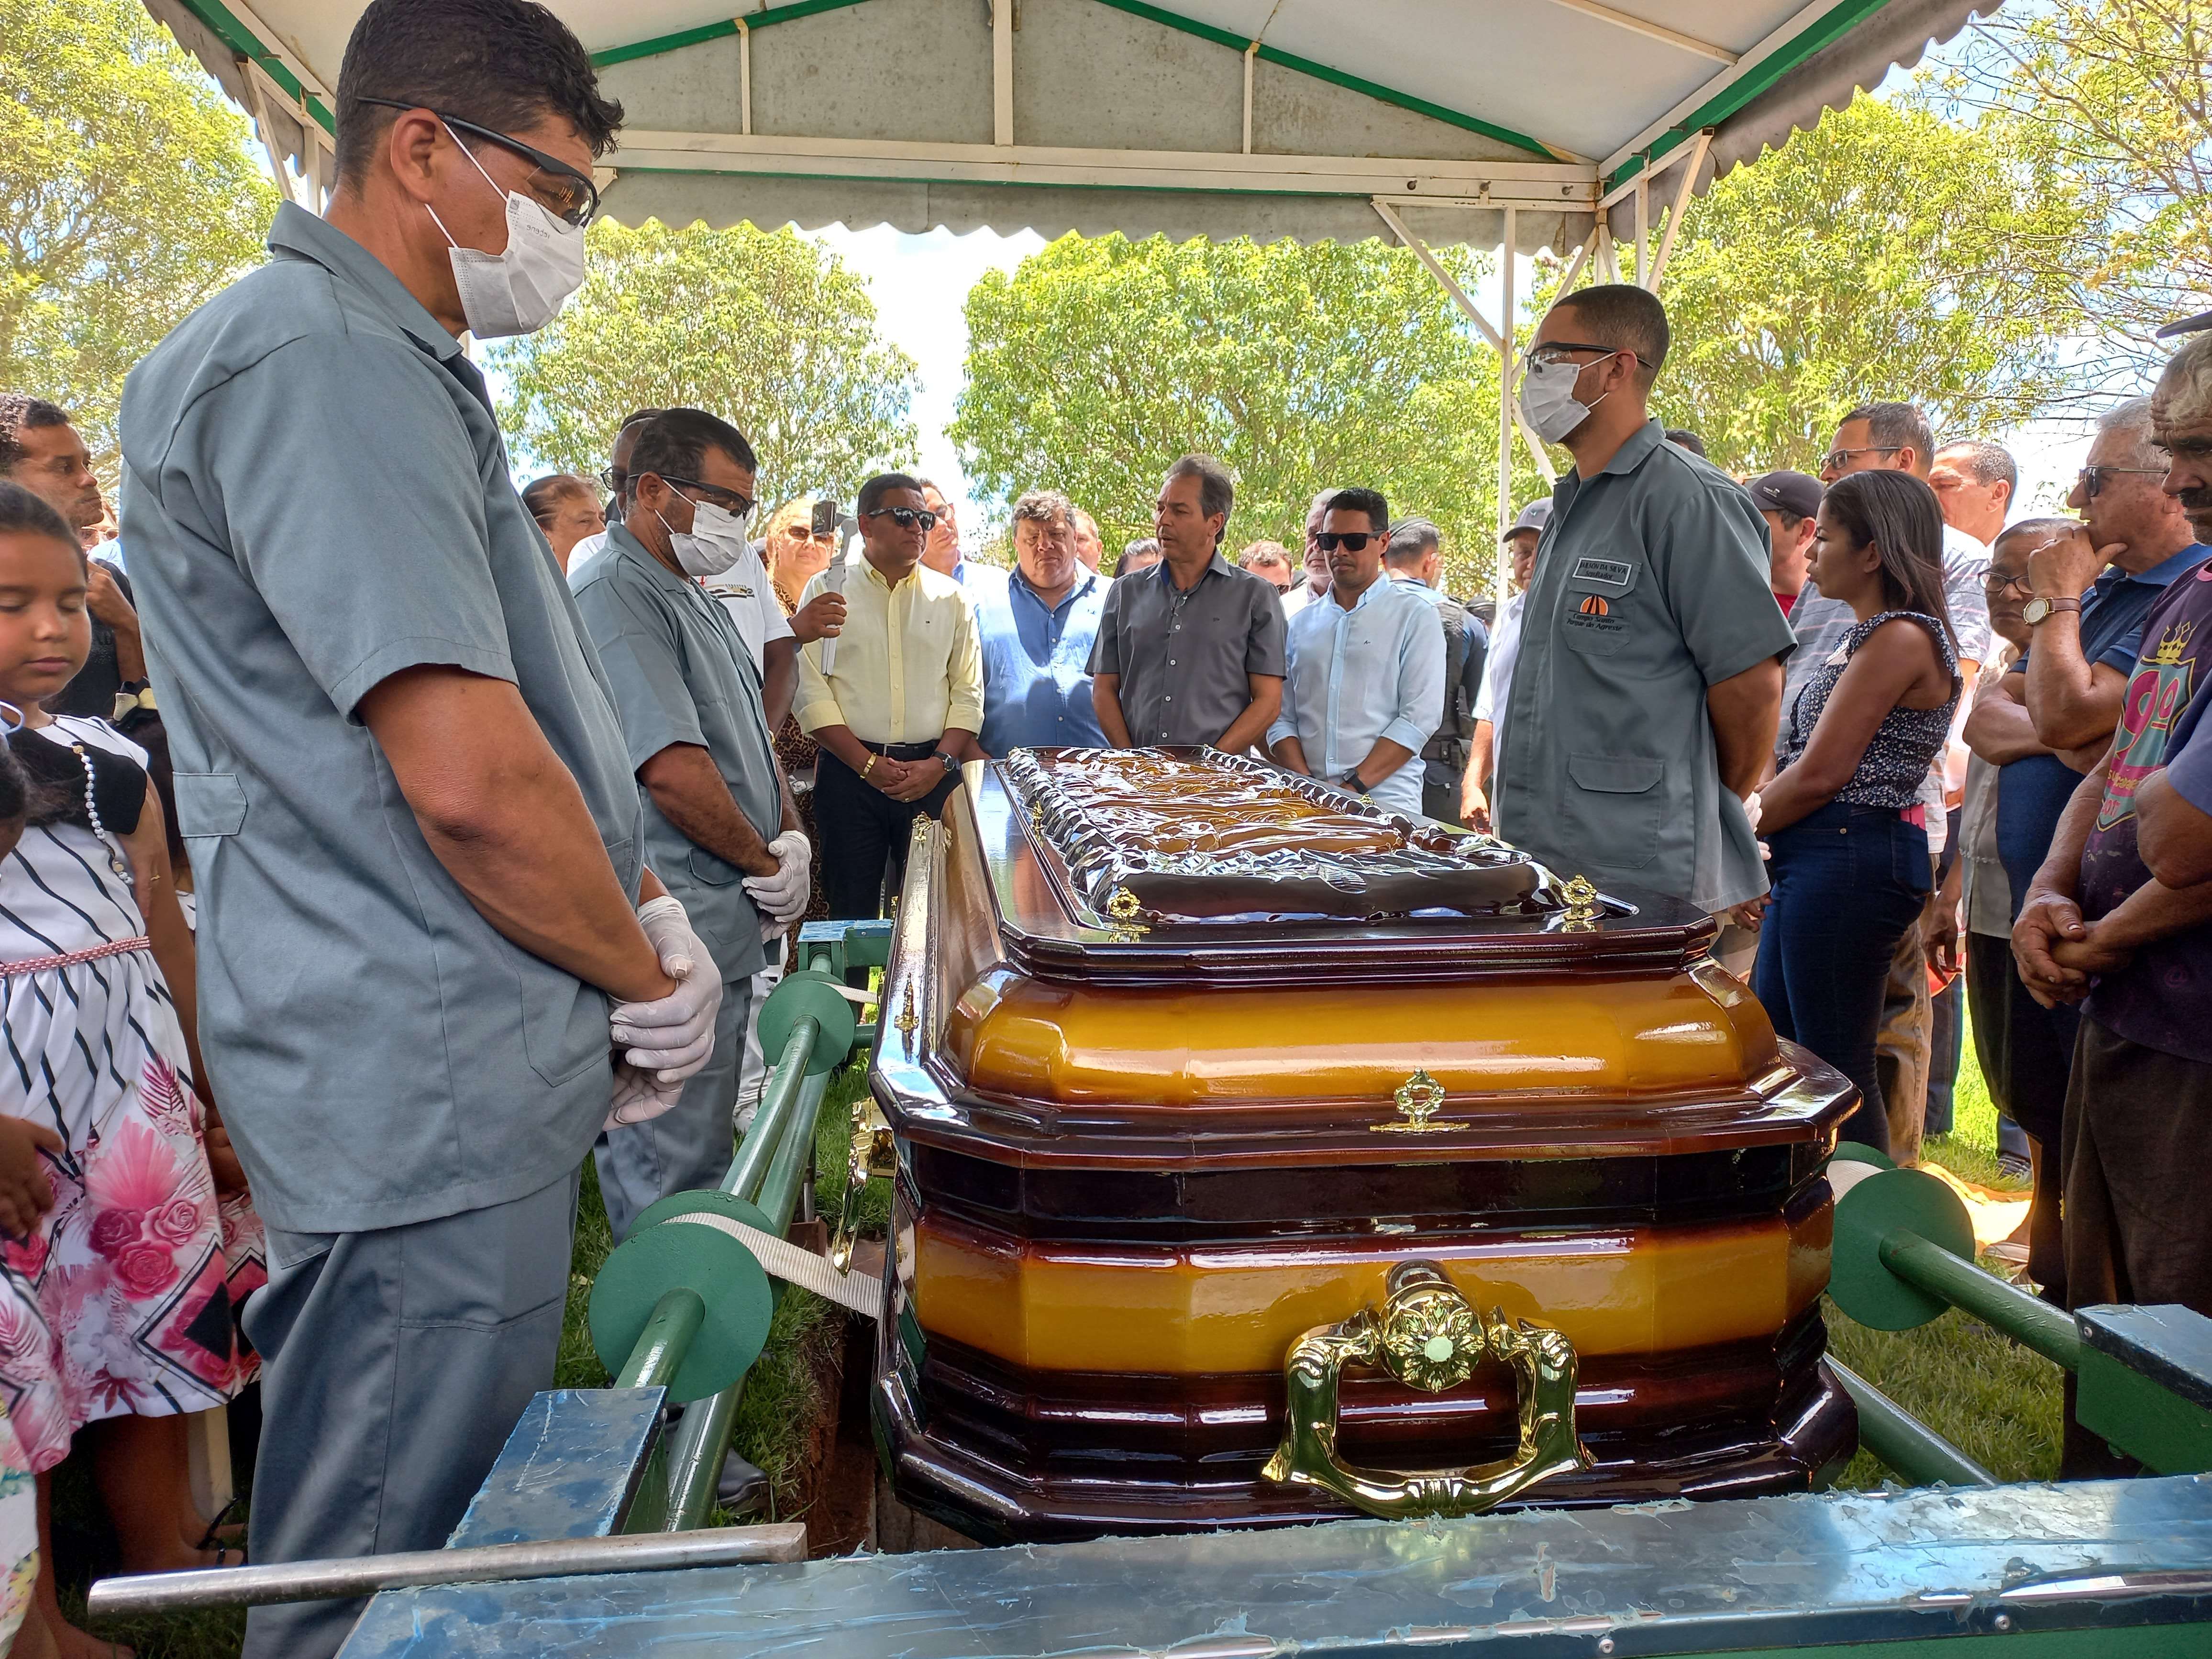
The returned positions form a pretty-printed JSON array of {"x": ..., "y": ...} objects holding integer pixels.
[{"x": 1904, "y": 1254}]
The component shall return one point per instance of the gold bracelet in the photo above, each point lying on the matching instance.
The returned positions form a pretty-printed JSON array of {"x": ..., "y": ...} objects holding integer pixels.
[{"x": 872, "y": 758}]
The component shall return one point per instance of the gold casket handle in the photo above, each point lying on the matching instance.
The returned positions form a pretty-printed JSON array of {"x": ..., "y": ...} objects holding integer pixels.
[{"x": 1428, "y": 1336}]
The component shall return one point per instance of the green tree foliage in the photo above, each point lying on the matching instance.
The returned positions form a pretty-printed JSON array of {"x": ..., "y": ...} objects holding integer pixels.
[
  {"x": 1878, "y": 255},
  {"x": 2118, "y": 94},
  {"x": 766, "y": 329},
  {"x": 1099, "y": 361},
  {"x": 127, "y": 196}
]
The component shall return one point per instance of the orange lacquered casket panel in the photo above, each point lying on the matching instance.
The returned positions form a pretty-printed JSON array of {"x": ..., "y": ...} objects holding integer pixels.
[{"x": 1183, "y": 1056}]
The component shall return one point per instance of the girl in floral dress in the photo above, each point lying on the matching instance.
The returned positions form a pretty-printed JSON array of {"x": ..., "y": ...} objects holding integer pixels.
[{"x": 125, "y": 1315}]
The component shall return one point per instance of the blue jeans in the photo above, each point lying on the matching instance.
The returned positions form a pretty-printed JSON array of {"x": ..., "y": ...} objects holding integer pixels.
[{"x": 1847, "y": 881}]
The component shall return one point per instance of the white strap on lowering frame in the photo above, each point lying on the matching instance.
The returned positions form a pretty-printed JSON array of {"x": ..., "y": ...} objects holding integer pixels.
[{"x": 785, "y": 1261}]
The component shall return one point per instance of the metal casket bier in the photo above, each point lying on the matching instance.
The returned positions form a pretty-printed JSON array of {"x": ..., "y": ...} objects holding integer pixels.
[{"x": 1264, "y": 1157}]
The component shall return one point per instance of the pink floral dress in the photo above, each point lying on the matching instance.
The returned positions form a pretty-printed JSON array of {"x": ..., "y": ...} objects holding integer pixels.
[{"x": 124, "y": 1296}]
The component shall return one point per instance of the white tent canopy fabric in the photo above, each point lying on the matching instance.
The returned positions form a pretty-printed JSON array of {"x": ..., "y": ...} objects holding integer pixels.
[
  {"x": 1194, "y": 118},
  {"x": 1566, "y": 124}
]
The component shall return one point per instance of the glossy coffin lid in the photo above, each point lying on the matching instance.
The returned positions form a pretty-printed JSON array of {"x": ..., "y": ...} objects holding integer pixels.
[
  {"x": 1041, "y": 1027},
  {"x": 1188, "y": 835}
]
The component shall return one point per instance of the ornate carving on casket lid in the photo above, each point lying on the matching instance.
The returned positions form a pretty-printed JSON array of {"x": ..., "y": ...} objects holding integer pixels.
[{"x": 1154, "y": 837}]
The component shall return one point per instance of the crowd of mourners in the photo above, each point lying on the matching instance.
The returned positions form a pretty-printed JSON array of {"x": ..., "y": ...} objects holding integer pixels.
[{"x": 447, "y": 834}]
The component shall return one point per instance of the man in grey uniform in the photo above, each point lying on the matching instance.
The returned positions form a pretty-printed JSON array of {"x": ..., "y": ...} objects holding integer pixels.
[
  {"x": 688, "y": 692},
  {"x": 1649, "y": 682},
  {"x": 411, "y": 817}
]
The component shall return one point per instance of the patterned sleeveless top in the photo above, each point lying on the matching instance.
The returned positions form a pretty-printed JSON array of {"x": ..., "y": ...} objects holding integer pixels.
[{"x": 1904, "y": 747}]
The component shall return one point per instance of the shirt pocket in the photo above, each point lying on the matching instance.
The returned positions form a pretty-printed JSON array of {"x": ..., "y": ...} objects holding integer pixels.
[
  {"x": 209, "y": 804},
  {"x": 1612, "y": 807},
  {"x": 1593, "y": 618}
]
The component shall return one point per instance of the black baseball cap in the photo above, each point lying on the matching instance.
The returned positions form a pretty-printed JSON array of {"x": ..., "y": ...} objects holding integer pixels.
[
  {"x": 1535, "y": 516},
  {"x": 2195, "y": 325},
  {"x": 1786, "y": 492}
]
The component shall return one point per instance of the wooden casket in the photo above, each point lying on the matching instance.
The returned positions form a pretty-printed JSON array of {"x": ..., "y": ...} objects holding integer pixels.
[{"x": 1265, "y": 1157}]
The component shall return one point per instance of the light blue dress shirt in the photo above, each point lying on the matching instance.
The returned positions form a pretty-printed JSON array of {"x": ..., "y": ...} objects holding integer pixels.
[
  {"x": 1360, "y": 676},
  {"x": 1036, "y": 664}
]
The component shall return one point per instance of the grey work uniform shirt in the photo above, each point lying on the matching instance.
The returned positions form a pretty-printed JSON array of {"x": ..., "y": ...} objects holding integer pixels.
[
  {"x": 683, "y": 673},
  {"x": 1183, "y": 657},
  {"x": 1650, "y": 585},
  {"x": 317, "y": 498}
]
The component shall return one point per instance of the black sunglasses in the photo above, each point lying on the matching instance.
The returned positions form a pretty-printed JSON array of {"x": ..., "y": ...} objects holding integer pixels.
[
  {"x": 906, "y": 517},
  {"x": 2093, "y": 477},
  {"x": 576, "y": 197},
  {"x": 1351, "y": 541}
]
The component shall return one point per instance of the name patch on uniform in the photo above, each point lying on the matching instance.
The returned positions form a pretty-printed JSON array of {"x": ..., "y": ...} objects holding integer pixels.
[{"x": 1611, "y": 572}]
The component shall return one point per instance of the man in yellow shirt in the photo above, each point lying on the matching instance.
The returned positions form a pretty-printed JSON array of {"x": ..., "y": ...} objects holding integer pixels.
[{"x": 893, "y": 700}]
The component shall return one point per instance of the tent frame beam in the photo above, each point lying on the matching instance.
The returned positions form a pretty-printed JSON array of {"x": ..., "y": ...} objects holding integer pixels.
[{"x": 1560, "y": 186}]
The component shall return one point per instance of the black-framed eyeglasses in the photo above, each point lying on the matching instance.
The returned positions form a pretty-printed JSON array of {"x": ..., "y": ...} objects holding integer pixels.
[
  {"x": 614, "y": 478},
  {"x": 566, "y": 194},
  {"x": 1351, "y": 541},
  {"x": 1837, "y": 460},
  {"x": 2092, "y": 478},
  {"x": 1552, "y": 351},
  {"x": 906, "y": 517},
  {"x": 738, "y": 507}
]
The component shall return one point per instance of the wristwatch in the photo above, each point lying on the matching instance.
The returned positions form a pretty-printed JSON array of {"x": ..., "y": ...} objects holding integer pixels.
[
  {"x": 2037, "y": 610},
  {"x": 1351, "y": 781},
  {"x": 946, "y": 761},
  {"x": 131, "y": 696}
]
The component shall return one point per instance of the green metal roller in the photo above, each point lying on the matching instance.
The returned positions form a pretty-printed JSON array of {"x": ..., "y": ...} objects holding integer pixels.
[
  {"x": 1877, "y": 1207},
  {"x": 1857, "y": 1152},
  {"x": 800, "y": 995},
  {"x": 656, "y": 1259}
]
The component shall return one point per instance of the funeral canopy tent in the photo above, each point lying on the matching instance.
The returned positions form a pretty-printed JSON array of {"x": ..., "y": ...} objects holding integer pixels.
[{"x": 1521, "y": 123}]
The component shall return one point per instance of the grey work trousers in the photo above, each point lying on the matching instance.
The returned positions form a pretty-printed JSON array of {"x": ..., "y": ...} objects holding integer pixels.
[
  {"x": 690, "y": 1144},
  {"x": 395, "y": 1364}
]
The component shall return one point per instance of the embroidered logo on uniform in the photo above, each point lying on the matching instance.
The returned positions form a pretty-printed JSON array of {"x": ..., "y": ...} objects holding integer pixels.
[
  {"x": 1593, "y": 605},
  {"x": 1611, "y": 571}
]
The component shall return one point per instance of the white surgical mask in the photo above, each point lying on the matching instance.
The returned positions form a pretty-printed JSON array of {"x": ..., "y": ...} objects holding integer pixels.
[
  {"x": 521, "y": 290},
  {"x": 1548, "y": 399},
  {"x": 716, "y": 542}
]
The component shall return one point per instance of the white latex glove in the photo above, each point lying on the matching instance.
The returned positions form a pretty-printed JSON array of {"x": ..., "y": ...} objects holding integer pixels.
[
  {"x": 638, "y": 1098},
  {"x": 1751, "y": 810},
  {"x": 670, "y": 1037},
  {"x": 783, "y": 894}
]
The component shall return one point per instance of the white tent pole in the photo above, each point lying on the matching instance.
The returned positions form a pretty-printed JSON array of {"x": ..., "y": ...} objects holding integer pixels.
[
  {"x": 267, "y": 129},
  {"x": 1682, "y": 189},
  {"x": 1574, "y": 265},
  {"x": 1505, "y": 408},
  {"x": 1002, "y": 71},
  {"x": 745, "y": 75},
  {"x": 1651, "y": 31},
  {"x": 1459, "y": 298},
  {"x": 1643, "y": 227},
  {"x": 1251, "y": 52}
]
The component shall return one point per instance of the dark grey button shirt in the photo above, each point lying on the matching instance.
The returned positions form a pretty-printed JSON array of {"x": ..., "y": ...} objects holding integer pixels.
[
  {"x": 1183, "y": 657},
  {"x": 1650, "y": 585},
  {"x": 683, "y": 673},
  {"x": 317, "y": 497}
]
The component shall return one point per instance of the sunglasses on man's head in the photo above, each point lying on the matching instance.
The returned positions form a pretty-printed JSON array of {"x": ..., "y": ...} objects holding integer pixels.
[
  {"x": 906, "y": 517},
  {"x": 1351, "y": 541}
]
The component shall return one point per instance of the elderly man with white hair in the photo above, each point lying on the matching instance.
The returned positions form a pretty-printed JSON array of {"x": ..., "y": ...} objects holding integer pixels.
[{"x": 2099, "y": 928}]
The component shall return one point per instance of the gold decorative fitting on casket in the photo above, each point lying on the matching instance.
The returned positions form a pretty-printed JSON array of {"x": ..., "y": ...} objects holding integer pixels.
[
  {"x": 1206, "y": 1055},
  {"x": 1429, "y": 1338}
]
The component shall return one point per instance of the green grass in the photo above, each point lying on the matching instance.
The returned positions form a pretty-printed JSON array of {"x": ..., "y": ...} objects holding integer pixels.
[{"x": 1985, "y": 1393}]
